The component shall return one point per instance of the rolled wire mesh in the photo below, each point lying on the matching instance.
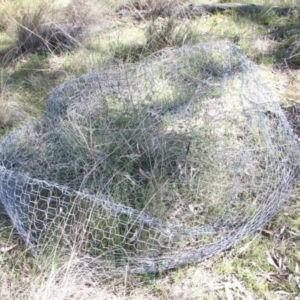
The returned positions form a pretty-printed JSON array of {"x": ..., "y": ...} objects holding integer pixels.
[{"x": 160, "y": 165}]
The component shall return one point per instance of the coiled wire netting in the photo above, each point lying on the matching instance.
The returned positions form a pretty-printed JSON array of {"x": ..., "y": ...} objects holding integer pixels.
[{"x": 160, "y": 165}]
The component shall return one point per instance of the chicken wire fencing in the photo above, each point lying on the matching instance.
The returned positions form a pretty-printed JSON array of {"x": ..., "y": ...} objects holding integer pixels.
[{"x": 159, "y": 165}]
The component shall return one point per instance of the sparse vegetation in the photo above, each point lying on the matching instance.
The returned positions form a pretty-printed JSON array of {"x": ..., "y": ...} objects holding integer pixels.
[{"x": 37, "y": 51}]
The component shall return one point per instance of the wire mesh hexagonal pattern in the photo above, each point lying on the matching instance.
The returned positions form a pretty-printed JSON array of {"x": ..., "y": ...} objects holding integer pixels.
[{"x": 155, "y": 166}]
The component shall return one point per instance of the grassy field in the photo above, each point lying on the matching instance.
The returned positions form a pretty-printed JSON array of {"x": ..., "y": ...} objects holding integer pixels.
[{"x": 43, "y": 44}]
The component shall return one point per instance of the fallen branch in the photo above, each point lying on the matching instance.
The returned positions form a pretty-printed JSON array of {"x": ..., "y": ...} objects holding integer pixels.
[
  {"x": 197, "y": 9},
  {"x": 203, "y": 9}
]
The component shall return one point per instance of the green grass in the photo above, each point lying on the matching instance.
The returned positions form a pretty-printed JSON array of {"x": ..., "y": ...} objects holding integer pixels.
[{"x": 244, "y": 271}]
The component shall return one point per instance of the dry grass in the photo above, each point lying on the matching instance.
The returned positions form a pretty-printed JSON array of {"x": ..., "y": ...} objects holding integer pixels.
[
  {"x": 158, "y": 35},
  {"x": 10, "y": 113},
  {"x": 157, "y": 5},
  {"x": 40, "y": 28},
  {"x": 167, "y": 33},
  {"x": 12, "y": 110},
  {"x": 265, "y": 266},
  {"x": 293, "y": 50}
]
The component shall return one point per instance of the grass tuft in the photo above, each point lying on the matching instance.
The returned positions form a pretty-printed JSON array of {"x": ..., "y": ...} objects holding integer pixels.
[
  {"x": 167, "y": 33},
  {"x": 12, "y": 110},
  {"x": 154, "y": 5},
  {"x": 160, "y": 34},
  {"x": 293, "y": 50},
  {"x": 34, "y": 32}
]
